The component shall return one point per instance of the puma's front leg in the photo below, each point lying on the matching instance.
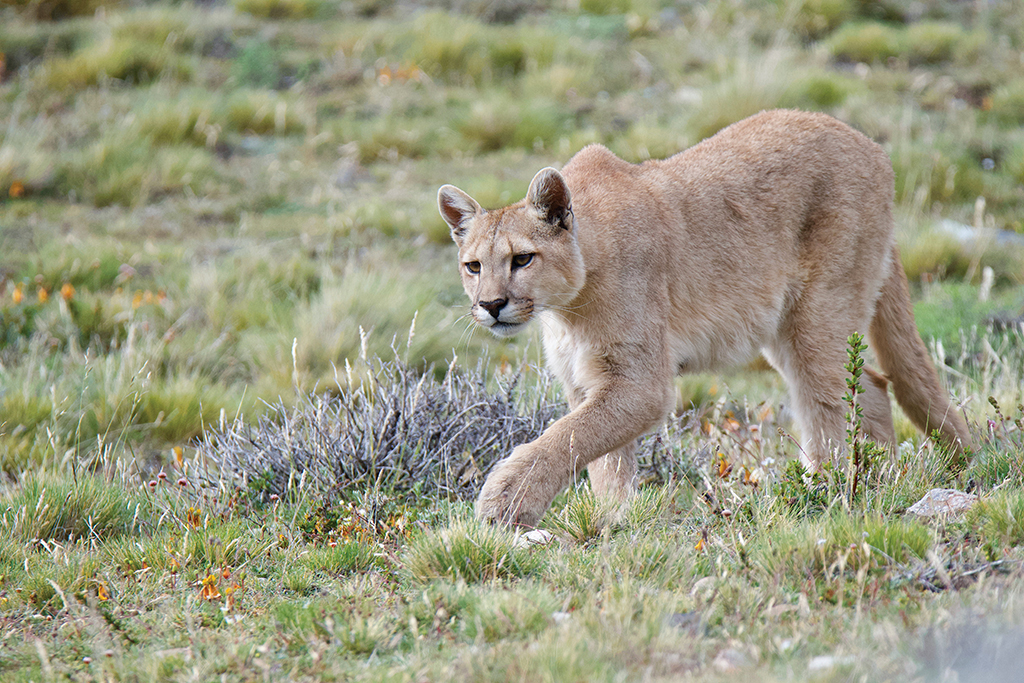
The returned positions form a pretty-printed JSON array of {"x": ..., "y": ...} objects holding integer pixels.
[{"x": 520, "y": 488}]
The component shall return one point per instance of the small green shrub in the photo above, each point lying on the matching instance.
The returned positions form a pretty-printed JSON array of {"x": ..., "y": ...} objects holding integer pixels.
[
  {"x": 258, "y": 65},
  {"x": 866, "y": 42}
]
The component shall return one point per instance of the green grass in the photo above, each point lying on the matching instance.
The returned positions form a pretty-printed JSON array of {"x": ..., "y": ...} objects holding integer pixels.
[{"x": 209, "y": 210}]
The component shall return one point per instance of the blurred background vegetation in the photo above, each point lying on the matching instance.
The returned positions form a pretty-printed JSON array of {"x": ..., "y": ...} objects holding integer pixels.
[{"x": 207, "y": 206}]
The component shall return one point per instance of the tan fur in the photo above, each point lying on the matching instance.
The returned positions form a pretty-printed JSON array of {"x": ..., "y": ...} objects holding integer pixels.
[{"x": 775, "y": 235}]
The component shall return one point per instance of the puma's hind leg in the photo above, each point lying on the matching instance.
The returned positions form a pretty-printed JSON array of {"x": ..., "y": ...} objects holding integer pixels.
[
  {"x": 810, "y": 353},
  {"x": 613, "y": 476},
  {"x": 875, "y": 408}
]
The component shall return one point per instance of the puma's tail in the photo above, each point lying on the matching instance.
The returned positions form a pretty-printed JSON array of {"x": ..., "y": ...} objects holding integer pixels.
[{"x": 904, "y": 359}]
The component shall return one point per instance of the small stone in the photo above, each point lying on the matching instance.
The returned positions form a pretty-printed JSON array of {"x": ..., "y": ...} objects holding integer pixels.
[
  {"x": 689, "y": 622},
  {"x": 533, "y": 537},
  {"x": 942, "y": 502},
  {"x": 560, "y": 617},
  {"x": 828, "y": 662},
  {"x": 731, "y": 660},
  {"x": 704, "y": 588}
]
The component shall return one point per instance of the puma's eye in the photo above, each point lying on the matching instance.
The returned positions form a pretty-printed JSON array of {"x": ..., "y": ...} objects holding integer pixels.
[
  {"x": 521, "y": 260},
  {"x": 473, "y": 267}
]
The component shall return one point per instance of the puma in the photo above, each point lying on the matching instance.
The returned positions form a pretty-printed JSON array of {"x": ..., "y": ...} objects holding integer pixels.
[{"x": 775, "y": 235}]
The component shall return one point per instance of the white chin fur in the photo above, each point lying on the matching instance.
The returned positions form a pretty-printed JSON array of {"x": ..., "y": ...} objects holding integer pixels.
[{"x": 500, "y": 329}]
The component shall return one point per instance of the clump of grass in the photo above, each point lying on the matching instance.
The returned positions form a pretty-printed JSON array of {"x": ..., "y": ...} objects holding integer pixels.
[
  {"x": 999, "y": 518},
  {"x": 469, "y": 550},
  {"x": 753, "y": 85},
  {"x": 866, "y": 42},
  {"x": 933, "y": 42},
  {"x": 63, "y": 507},
  {"x": 56, "y": 10},
  {"x": 282, "y": 9},
  {"x": 119, "y": 171},
  {"x": 128, "y": 60},
  {"x": 22, "y": 43},
  {"x": 814, "y": 19},
  {"x": 502, "y": 122},
  {"x": 1007, "y": 104},
  {"x": 583, "y": 518}
]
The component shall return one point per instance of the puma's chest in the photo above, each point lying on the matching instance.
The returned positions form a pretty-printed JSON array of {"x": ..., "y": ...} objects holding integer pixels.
[{"x": 571, "y": 357}]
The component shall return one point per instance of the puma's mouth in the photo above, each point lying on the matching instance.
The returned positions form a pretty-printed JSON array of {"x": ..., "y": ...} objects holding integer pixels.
[{"x": 501, "y": 329}]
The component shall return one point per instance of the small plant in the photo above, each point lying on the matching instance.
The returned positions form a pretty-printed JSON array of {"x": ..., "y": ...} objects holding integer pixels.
[{"x": 861, "y": 453}]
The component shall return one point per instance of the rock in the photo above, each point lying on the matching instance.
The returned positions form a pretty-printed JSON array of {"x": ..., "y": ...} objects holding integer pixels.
[
  {"x": 704, "y": 589},
  {"x": 689, "y": 622},
  {"x": 828, "y": 662},
  {"x": 942, "y": 502},
  {"x": 533, "y": 537},
  {"x": 560, "y": 617},
  {"x": 731, "y": 660}
]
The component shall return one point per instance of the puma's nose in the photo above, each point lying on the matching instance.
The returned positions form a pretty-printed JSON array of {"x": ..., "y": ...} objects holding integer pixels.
[{"x": 493, "y": 307}]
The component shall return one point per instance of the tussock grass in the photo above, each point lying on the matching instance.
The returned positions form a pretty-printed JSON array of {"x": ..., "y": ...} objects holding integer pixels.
[
  {"x": 469, "y": 550},
  {"x": 583, "y": 517},
  {"x": 48, "y": 507}
]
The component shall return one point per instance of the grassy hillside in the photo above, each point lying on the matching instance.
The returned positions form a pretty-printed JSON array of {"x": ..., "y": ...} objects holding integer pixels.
[{"x": 215, "y": 218}]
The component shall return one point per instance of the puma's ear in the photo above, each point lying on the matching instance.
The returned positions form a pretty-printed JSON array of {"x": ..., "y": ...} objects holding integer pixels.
[
  {"x": 457, "y": 208},
  {"x": 550, "y": 196}
]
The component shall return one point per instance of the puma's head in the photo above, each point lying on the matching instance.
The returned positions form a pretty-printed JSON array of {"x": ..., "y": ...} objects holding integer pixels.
[{"x": 520, "y": 260}]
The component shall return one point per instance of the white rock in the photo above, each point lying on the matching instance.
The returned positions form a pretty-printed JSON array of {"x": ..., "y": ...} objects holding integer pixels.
[
  {"x": 942, "y": 502},
  {"x": 533, "y": 537},
  {"x": 828, "y": 662}
]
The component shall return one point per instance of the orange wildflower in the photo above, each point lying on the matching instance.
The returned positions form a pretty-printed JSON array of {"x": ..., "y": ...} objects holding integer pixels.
[
  {"x": 67, "y": 291},
  {"x": 209, "y": 590},
  {"x": 18, "y": 295},
  {"x": 724, "y": 468},
  {"x": 43, "y": 295},
  {"x": 17, "y": 190}
]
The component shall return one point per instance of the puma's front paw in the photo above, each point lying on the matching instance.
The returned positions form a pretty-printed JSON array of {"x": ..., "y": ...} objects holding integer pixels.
[{"x": 518, "y": 491}]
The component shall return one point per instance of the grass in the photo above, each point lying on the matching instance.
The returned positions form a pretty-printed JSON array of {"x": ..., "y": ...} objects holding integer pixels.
[{"x": 216, "y": 220}]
